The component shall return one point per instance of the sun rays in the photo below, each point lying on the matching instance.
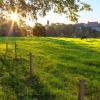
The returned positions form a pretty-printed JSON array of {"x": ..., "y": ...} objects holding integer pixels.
[
  {"x": 14, "y": 16},
  {"x": 17, "y": 20}
]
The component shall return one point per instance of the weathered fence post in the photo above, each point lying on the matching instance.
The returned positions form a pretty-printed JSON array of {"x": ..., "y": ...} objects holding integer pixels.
[
  {"x": 81, "y": 90},
  {"x": 6, "y": 50},
  {"x": 15, "y": 50},
  {"x": 30, "y": 57}
]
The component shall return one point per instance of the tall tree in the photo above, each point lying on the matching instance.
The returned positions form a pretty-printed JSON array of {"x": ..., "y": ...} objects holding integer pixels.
[{"x": 39, "y": 30}]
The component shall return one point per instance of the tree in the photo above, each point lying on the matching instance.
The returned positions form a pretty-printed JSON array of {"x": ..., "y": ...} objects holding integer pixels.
[
  {"x": 39, "y": 30},
  {"x": 32, "y": 8},
  {"x": 59, "y": 29}
]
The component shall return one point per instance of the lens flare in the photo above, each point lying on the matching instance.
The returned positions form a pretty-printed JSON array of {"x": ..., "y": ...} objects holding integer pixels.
[{"x": 14, "y": 16}]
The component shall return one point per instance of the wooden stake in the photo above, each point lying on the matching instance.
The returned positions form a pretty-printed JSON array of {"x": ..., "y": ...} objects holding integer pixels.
[
  {"x": 30, "y": 57},
  {"x": 6, "y": 50},
  {"x": 15, "y": 50},
  {"x": 81, "y": 90}
]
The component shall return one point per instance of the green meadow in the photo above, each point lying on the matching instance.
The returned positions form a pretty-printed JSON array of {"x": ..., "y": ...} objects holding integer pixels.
[{"x": 58, "y": 65}]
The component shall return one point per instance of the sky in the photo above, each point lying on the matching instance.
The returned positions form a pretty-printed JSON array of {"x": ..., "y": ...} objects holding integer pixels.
[{"x": 85, "y": 16}]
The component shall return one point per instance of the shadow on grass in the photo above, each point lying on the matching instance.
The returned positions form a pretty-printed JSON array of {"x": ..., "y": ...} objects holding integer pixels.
[
  {"x": 25, "y": 90},
  {"x": 16, "y": 83},
  {"x": 72, "y": 44}
]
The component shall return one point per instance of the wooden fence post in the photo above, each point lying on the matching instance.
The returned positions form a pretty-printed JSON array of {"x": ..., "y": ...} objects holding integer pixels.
[
  {"x": 30, "y": 57},
  {"x": 81, "y": 90},
  {"x": 15, "y": 50},
  {"x": 6, "y": 49}
]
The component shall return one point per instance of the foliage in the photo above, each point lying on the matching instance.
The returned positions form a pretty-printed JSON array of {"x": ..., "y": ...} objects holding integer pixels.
[
  {"x": 7, "y": 30},
  {"x": 58, "y": 65},
  {"x": 62, "y": 30},
  {"x": 27, "y": 8},
  {"x": 68, "y": 30},
  {"x": 39, "y": 30}
]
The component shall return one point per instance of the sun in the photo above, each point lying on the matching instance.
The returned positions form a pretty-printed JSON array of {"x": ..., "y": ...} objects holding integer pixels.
[{"x": 14, "y": 16}]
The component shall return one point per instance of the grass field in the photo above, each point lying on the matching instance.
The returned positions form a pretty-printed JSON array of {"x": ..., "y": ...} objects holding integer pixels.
[{"x": 58, "y": 65}]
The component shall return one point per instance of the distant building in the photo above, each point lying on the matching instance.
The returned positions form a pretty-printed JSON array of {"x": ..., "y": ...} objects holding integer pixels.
[
  {"x": 47, "y": 22},
  {"x": 80, "y": 25},
  {"x": 47, "y": 25},
  {"x": 94, "y": 26}
]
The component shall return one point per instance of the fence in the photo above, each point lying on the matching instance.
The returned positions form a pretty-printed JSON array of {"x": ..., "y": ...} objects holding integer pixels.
[
  {"x": 15, "y": 58},
  {"x": 88, "y": 92},
  {"x": 84, "y": 93}
]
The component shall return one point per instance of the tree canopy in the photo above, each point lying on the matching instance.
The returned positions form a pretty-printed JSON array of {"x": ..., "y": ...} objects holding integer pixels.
[
  {"x": 39, "y": 30},
  {"x": 32, "y": 8}
]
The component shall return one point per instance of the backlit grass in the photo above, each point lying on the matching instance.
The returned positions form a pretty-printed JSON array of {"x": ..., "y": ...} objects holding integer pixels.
[{"x": 58, "y": 65}]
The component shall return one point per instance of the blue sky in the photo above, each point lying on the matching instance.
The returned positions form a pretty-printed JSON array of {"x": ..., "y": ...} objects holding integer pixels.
[{"x": 84, "y": 16}]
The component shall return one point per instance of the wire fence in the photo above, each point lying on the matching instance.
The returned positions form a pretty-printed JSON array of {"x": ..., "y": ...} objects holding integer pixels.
[{"x": 85, "y": 93}]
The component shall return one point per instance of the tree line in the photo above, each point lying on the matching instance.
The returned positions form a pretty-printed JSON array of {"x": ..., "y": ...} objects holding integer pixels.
[
  {"x": 64, "y": 30},
  {"x": 53, "y": 30}
]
